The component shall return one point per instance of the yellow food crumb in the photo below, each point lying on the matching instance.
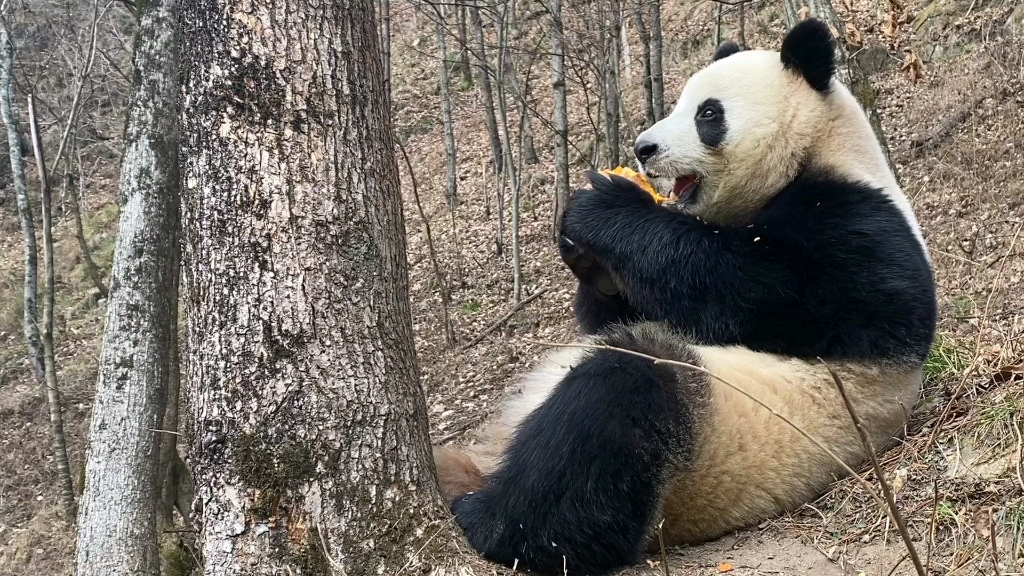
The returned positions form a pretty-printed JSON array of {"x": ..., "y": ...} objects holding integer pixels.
[{"x": 638, "y": 178}]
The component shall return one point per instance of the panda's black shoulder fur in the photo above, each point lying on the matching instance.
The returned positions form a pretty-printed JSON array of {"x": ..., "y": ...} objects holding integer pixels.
[
  {"x": 828, "y": 268},
  {"x": 725, "y": 49}
]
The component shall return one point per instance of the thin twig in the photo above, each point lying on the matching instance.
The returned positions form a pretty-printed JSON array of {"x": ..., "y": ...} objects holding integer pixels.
[
  {"x": 931, "y": 524},
  {"x": 522, "y": 303},
  {"x": 449, "y": 330},
  {"x": 995, "y": 548},
  {"x": 886, "y": 490}
]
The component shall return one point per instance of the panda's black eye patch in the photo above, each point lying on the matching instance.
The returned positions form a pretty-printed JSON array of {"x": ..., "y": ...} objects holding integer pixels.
[{"x": 711, "y": 127}]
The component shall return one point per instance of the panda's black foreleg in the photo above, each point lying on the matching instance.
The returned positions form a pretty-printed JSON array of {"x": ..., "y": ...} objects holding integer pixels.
[
  {"x": 580, "y": 483},
  {"x": 598, "y": 302}
]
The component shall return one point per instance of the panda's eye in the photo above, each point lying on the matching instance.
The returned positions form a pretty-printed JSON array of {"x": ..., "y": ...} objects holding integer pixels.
[{"x": 707, "y": 113}]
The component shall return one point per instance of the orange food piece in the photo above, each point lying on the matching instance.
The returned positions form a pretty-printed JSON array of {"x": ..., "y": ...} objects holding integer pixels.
[
  {"x": 724, "y": 567},
  {"x": 638, "y": 178}
]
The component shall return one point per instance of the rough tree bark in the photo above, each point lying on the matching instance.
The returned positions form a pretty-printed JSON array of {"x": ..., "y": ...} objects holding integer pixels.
[
  {"x": 465, "y": 71},
  {"x": 28, "y": 228},
  {"x": 849, "y": 70},
  {"x": 117, "y": 527},
  {"x": 451, "y": 190},
  {"x": 483, "y": 69},
  {"x": 307, "y": 423},
  {"x": 60, "y": 450},
  {"x": 560, "y": 116},
  {"x": 611, "y": 77}
]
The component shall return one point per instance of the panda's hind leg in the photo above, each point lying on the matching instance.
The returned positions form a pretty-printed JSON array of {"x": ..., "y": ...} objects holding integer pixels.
[{"x": 580, "y": 483}]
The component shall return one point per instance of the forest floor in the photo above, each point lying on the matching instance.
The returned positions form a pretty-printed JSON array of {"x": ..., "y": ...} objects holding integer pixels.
[{"x": 956, "y": 475}]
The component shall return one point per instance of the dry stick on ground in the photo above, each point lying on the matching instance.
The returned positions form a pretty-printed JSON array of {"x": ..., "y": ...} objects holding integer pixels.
[
  {"x": 60, "y": 449},
  {"x": 931, "y": 525},
  {"x": 520, "y": 305},
  {"x": 938, "y": 134},
  {"x": 807, "y": 435},
  {"x": 449, "y": 331},
  {"x": 995, "y": 549},
  {"x": 886, "y": 490}
]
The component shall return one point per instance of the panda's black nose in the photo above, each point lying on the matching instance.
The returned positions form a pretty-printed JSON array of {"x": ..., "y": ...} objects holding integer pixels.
[{"x": 645, "y": 151}]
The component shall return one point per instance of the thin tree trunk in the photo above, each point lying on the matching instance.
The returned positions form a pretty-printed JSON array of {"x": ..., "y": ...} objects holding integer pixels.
[
  {"x": 34, "y": 346},
  {"x": 849, "y": 71},
  {"x": 560, "y": 117},
  {"x": 657, "y": 77},
  {"x": 464, "y": 67},
  {"x": 520, "y": 90},
  {"x": 452, "y": 170},
  {"x": 611, "y": 96},
  {"x": 645, "y": 60},
  {"x": 73, "y": 194},
  {"x": 310, "y": 448},
  {"x": 484, "y": 80},
  {"x": 743, "y": 26},
  {"x": 60, "y": 450},
  {"x": 511, "y": 173},
  {"x": 117, "y": 529}
]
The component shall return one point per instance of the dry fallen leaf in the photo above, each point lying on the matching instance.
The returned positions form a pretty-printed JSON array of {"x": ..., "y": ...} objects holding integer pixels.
[
  {"x": 853, "y": 35},
  {"x": 1009, "y": 373},
  {"x": 913, "y": 65},
  {"x": 724, "y": 567},
  {"x": 803, "y": 13}
]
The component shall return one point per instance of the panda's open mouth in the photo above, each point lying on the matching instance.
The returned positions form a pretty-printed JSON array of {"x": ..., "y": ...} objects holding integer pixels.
[{"x": 684, "y": 189}]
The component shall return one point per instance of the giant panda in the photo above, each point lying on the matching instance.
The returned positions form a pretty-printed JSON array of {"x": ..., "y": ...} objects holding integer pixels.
[{"x": 790, "y": 248}]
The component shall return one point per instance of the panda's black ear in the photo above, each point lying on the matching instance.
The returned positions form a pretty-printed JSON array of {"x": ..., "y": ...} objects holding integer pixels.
[
  {"x": 726, "y": 49},
  {"x": 810, "y": 50}
]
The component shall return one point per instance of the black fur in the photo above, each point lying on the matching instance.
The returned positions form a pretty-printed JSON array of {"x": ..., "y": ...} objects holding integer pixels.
[
  {"x": 579, "y": 484},
  {"x": 828, "y": 268},
  {"x": 710, "y": 121},
  {"x": 726, "y": 49},
  {"x": 810, "y": 50}
]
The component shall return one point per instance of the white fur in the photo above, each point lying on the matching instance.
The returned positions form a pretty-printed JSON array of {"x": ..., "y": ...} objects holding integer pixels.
[{"x": 524, "y": 398}]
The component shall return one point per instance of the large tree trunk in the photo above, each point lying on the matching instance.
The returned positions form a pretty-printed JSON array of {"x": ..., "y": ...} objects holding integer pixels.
[
  {"x": 58, "y": 441},
  {"x": 28, "y": 228},
  {"x": 307, "y": 423},
  {"x": 117, "y": 527},
  {"x": 560, "y": 117},
  {"x": 849, "y": 71}
]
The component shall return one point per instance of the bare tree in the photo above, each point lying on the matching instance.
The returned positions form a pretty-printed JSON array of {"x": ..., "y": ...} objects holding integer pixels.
[
  {"x": 849, "y": 70},
  {"x": 28, "y": 228},
  {"x": 512, "y": 173},
  {"x": 610, "y": 32},
  {"x": 657, "y": 76},
  {"x": 117, "y": 528},
  {"x": 465, "y": 71},
  {"x": 560, "y": 116},
  {"x": 72, "y": 191},
  {"x": 60, "y": 450},
  {"x": 483, "y": 69},
  {"x": 645, "y": 60},
  {"x": 444, "y": 86},
  {"x": 308, "y": 424}
]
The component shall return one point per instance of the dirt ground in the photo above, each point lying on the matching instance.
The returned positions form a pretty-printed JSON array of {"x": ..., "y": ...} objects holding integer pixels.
[{"x": 956, "y": 476}]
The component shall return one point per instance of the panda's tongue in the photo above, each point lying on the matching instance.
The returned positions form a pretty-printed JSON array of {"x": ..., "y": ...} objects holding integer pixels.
[{"x": 684, "y": 188}]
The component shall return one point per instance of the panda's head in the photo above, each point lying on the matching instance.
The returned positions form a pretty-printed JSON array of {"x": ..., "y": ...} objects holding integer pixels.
[{"x": 746, "y": 124}]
